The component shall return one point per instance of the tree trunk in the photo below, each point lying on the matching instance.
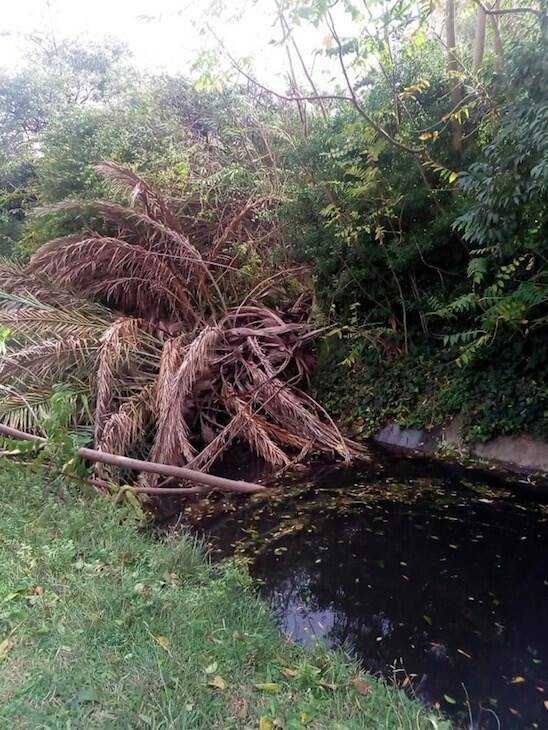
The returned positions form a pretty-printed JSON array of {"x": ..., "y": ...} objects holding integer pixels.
[
  {"x": 455, "y": 86},
  {"x": 497, "y": 43},
  {"x": 479, "y": 39}
]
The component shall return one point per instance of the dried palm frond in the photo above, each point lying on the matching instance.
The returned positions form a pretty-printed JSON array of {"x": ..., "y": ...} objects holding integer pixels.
[
  {"x": 287, "y": 407},
  {"x": 182, "y": 365},
  {"x": 149, "y": 232},
  {"x": 16, "y": 282},
  {"x": 191, "y": 359},
  {"x": 30, "y": 324},
  {"x": 142, "y": 195},
  {"x": 124, "y": 428},
  {"x": 27, "y": 411},
  {"x": 253, "y": 431},
  {"x": 116, "y": 344},
  {"x": 214, "y": 450},
  {"x": 129, "y": 276},
  {"x": 171, "y": 442},
  {"x": 9, "y": 268},
  {"x": 50, "y": 361}
]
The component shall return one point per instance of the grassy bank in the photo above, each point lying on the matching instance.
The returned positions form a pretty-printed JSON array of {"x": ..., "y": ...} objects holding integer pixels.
[{"x": 103, "y": 626}]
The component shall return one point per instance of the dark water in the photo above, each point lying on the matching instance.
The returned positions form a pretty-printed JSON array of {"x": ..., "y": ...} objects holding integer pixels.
[{"x": 432, "y": 575}]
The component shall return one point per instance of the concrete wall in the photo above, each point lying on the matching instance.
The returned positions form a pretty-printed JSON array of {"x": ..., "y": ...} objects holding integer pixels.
[{"x": 519, "y": 452}]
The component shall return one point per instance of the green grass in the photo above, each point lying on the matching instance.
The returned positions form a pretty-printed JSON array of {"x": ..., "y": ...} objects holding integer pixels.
[{"x": 104, "y": 626}]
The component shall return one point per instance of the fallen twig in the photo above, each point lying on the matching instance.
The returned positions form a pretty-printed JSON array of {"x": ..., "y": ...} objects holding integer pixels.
[{"x": 179, "y": 472}]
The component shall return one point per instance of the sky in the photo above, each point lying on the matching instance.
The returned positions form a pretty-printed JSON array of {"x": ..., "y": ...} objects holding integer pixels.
[{"x": 162, "y": 36}]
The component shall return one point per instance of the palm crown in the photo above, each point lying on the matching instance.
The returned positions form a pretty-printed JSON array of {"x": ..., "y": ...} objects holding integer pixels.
[{"x": 163, "y": 353}]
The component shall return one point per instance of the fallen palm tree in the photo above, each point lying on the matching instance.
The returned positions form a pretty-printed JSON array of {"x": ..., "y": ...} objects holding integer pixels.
[{"x": 169, "y": 359}]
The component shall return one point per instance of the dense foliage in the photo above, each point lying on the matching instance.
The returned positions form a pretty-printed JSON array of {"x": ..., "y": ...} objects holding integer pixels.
[{"x": 414, "y": 192}]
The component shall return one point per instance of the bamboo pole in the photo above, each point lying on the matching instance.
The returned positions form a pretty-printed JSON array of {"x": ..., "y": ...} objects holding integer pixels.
[{"x": 178, "y": 472}]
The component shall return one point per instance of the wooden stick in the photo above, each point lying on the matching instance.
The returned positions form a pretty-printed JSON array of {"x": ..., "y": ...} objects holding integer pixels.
[
  {"x": 179, "y": 472},
  {"x": 102, "y": 484}
]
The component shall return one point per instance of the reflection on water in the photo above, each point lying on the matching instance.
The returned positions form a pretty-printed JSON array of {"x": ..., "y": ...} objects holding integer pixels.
[{"x": 435, "y": 576}]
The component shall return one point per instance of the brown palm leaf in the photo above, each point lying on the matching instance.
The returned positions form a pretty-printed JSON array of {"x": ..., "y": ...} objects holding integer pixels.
[
  {"x": 129, "y": 276},
  {"x": 215, "y": 449},
  {"x": 50, "y": 361},
  {"x": 287, "y": 407},
  {"x": 142, "y": 195},
  {"x": 18, "y": 285},
  {"x": 124, "y": 428},
  {"x": 171, "y": 442},
  {"x": 149, "y": 232},
  {"x": 27, "y": 411},
  {"x": 252, "y": 430},
  {"x": 116, "y": 344},
  {"x": 182, "y": 365},
  {"x": 29, "y": 324}
]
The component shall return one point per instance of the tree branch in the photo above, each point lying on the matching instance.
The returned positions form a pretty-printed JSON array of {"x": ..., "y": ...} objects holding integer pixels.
[
  {"x": 354, "y": 99},
  {"x": 179, "y": 472},
  {"x": 323, "y": 97},
  {"x": 506, "y": 11}
]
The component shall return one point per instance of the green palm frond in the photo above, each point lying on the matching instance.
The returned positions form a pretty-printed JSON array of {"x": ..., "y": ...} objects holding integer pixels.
[
  {"x": 31, "y": 321},
  {"x": 50, "y": 361},
  {"x": 27, "y": 411}
]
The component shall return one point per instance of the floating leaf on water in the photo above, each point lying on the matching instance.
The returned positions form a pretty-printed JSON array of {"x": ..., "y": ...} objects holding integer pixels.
[
  {"x": 464, "y": 653},
  {"x": 450, "y": 700},
  {"x": 427, "y": 619},
  {"x": 518, "y": 680},
  {"x": 546, "y": 705}
]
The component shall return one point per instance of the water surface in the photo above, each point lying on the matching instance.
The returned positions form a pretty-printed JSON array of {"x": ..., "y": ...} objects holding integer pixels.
[{"x": 429, "y": 574}]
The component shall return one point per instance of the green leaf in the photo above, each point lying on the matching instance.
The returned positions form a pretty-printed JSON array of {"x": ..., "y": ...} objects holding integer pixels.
[
  {"x": 267, "y": 686},
  {"x": 86, "y": 694}
]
